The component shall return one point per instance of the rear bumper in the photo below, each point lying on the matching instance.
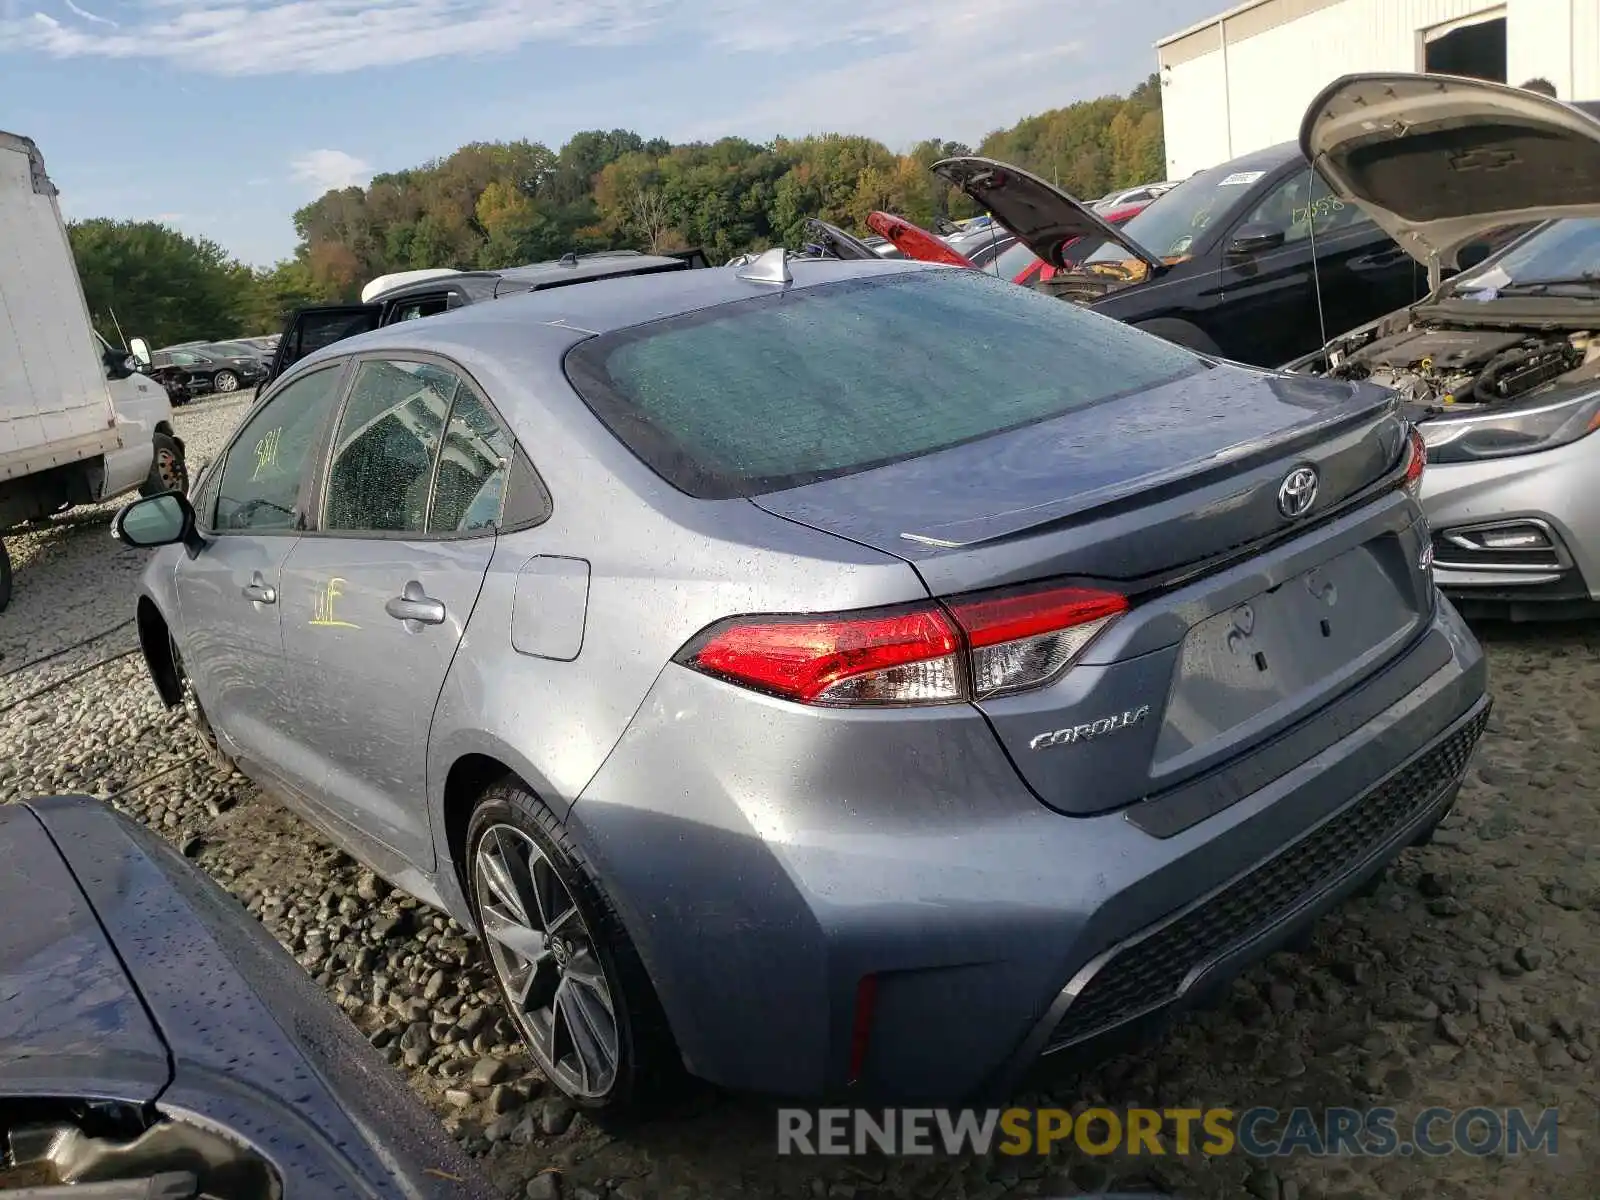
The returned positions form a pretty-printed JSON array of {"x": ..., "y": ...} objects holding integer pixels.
[
  {"x": 996, "y": 929},
  {"x": 1551, "y": 494},
  {"x": 1217, "y": 936}
]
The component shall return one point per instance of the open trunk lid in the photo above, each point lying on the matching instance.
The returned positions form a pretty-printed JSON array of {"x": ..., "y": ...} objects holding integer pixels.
[
  {"x": 1043, "y": 216},
  {"x": 1249, "y": 611},
  {"x": 915, "y": 242},
  {"x": 1438, "y": 161},
  {"x": 835, "y": 242}
]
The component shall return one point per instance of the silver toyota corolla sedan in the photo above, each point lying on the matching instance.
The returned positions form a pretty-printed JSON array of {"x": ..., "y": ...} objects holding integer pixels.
[{"x": 792, "y": 666}]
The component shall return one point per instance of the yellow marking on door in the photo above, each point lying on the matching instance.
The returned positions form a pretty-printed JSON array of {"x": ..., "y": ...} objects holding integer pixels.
[{"x": 322, "y": 607}]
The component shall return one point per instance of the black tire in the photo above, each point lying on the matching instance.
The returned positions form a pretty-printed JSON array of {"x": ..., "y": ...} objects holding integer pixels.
[
  {"x": 224, "y": 381},
  {"x": 1180, "y": 333},
  {"x": 168, "y": 471},
  {"x": 648, "y": 1065},
  {"x": 210, "y": 747},
  {"x": 5, "y": 577}
]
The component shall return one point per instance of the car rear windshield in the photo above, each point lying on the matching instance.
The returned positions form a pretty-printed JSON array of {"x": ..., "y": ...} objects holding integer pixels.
[{"x": 818, "y": 382}]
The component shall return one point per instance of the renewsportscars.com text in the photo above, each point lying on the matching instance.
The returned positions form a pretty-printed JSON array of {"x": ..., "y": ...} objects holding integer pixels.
[{"x": 1257, "y": 1132}]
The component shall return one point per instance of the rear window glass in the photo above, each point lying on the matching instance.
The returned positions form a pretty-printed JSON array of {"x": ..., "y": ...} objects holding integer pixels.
[{"x": 813, "y": 383}]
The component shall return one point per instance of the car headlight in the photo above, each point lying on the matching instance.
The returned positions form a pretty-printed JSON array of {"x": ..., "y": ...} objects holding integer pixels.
[{"x": 1501, "y": 434}]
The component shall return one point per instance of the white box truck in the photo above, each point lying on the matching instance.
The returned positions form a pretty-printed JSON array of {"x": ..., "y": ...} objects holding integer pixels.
[{"x": 78, "y": 424}]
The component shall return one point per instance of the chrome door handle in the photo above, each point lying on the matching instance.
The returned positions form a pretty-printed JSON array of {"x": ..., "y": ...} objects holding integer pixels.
[
  {"x": 260, "y": 593},
  {"x": 415, "y": 605}
]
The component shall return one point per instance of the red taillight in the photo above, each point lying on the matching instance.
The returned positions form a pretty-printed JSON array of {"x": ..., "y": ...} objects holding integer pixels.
[
  {"x": 972, "y": 648},
  {"x": 1026, "y": 639},
  {"x": 908, "y": 657},
  {"x": 1416, "y": 463}
]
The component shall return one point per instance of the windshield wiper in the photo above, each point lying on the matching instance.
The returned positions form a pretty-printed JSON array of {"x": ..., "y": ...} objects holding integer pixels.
[{"x": 1588, "y": 283}]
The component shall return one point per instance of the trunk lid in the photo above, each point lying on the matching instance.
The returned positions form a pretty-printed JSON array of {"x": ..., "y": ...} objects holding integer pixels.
[
  {"x": 1044, "y": 217},
  {"x": 1438, "y": 161},
  {"x": 836, "y": 242},
  {"x": 1244, "y": 619},
  {"x": 915, "y": 242}
]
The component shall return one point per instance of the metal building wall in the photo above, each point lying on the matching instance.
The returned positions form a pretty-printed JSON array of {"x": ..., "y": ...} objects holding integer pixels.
[{"x": 1243, "y": 83}]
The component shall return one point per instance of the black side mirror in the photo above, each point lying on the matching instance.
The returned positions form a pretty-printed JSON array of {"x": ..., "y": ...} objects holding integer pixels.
[
  {"x": 164, "y": 520},
  {"x": 118, "y": 364},
  {"x": 1249, "y": 240}
]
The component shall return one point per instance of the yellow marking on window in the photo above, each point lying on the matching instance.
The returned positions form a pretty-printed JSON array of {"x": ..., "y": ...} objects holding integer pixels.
[{"x": 266, "y": 452}]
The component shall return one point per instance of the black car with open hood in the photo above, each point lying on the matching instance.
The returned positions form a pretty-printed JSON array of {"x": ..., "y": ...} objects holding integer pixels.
[{"x": 1251, "y": 260}]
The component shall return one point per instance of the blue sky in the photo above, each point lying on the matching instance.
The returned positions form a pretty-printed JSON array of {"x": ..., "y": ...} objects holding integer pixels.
[{"x": 221, "y": 117}]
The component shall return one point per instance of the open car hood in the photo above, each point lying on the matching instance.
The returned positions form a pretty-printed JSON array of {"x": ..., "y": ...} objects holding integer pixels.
[
  {"x": 1438, "y": 161},
  {"x": 1043, "y": 216},
  {"x": 836, "y": 242},
  {"x": 914, "y": 241}
]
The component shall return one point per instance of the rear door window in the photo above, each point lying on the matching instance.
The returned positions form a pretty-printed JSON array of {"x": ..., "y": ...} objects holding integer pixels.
[
  {"x": 470, "y": 487},
  {"x": 818, "y": 382},
  {"x": 381, "y": 465}
]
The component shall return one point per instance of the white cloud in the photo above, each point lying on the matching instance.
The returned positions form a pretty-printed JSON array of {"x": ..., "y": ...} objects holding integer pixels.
[
  {"x": 89, "y": 16},
  {"x": 325, "y": 170},
  {"x": 258, "y": 37},
  {"x": 924, "y": 69}
]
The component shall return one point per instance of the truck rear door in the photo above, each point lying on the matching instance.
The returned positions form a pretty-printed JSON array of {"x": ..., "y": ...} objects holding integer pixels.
[{"x": 54, "y": 404}]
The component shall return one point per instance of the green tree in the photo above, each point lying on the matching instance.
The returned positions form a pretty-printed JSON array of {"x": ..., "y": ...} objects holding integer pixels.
[
  {"x": 496, "y": 204},
  {"x": 160, "y": 284}
]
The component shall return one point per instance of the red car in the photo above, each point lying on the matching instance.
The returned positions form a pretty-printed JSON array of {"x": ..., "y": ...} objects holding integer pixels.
[{"x": 1017, "y": 261}]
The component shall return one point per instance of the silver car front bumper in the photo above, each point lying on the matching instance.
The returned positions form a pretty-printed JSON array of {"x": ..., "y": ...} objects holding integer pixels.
[{"x": 1518, "y": 532}]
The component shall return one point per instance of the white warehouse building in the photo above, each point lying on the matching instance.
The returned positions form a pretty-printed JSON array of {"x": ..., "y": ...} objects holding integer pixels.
[{"x": 1242, "y": 80}]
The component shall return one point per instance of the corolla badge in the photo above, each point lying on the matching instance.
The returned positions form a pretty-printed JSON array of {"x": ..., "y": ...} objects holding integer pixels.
[
  {"x": 1074, "y": 734},
  {"x": 1298, "y": 492}
]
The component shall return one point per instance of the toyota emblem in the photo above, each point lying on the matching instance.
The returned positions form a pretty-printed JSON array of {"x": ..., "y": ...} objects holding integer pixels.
[{"x": 1298, "y": 492}]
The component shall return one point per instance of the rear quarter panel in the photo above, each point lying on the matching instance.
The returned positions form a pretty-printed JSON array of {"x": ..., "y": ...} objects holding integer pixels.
[{"x": 661, "y": 567}]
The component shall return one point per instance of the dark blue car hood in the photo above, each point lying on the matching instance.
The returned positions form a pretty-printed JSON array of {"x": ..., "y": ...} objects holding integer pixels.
[
  {"x": 194, "y": 982},
  {"x": 70, "y": 1022}
]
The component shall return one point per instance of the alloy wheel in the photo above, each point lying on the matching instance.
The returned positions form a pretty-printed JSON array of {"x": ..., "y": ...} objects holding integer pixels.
[
  {"x": 227, "y": 381},
  {"x": 545, "y": 958}
]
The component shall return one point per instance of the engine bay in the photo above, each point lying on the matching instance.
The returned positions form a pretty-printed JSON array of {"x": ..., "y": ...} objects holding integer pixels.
[{"x": 1438, "y": 370}]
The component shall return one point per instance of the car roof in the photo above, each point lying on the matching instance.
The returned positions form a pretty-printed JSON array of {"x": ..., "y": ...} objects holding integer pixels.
[
  {"x": 1265, "y": 159},
  {"x": 602, "y": 307},
  {"x": 534, "y": 275}
]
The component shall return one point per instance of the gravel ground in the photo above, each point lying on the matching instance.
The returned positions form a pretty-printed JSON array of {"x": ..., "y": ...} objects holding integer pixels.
[{"x": 1470, "y": 976}]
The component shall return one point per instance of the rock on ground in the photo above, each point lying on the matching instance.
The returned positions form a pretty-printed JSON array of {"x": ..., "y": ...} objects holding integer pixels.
[{"x": 1470, "y": 976}]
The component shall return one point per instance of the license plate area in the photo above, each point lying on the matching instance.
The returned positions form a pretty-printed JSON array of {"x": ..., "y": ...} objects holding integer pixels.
[{"x": 1245, "y": 672}]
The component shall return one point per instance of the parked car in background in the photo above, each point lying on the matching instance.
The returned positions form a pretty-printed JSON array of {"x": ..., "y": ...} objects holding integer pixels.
[
  {"x": 1016, "y": 261},
  {"x": 1141, "y": 196},
  {"x": 156, "y": 1042},
  {"x": 1500, "y": 366},
  {"x": 428, "y": 293},
  {"x": 1223, "y": 263},
  {"x": 882, "y": 247},
  {"x": 912, "y": 241},
  {"x": 982, "y": 244},
  {"x": 237, "y": 348},
  {"x": 199, "y": 370},
  {"x": 687, "y": 634}
]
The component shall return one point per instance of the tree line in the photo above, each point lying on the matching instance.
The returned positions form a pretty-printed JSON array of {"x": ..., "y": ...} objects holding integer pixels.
[{"x": 498, "y": 204}]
